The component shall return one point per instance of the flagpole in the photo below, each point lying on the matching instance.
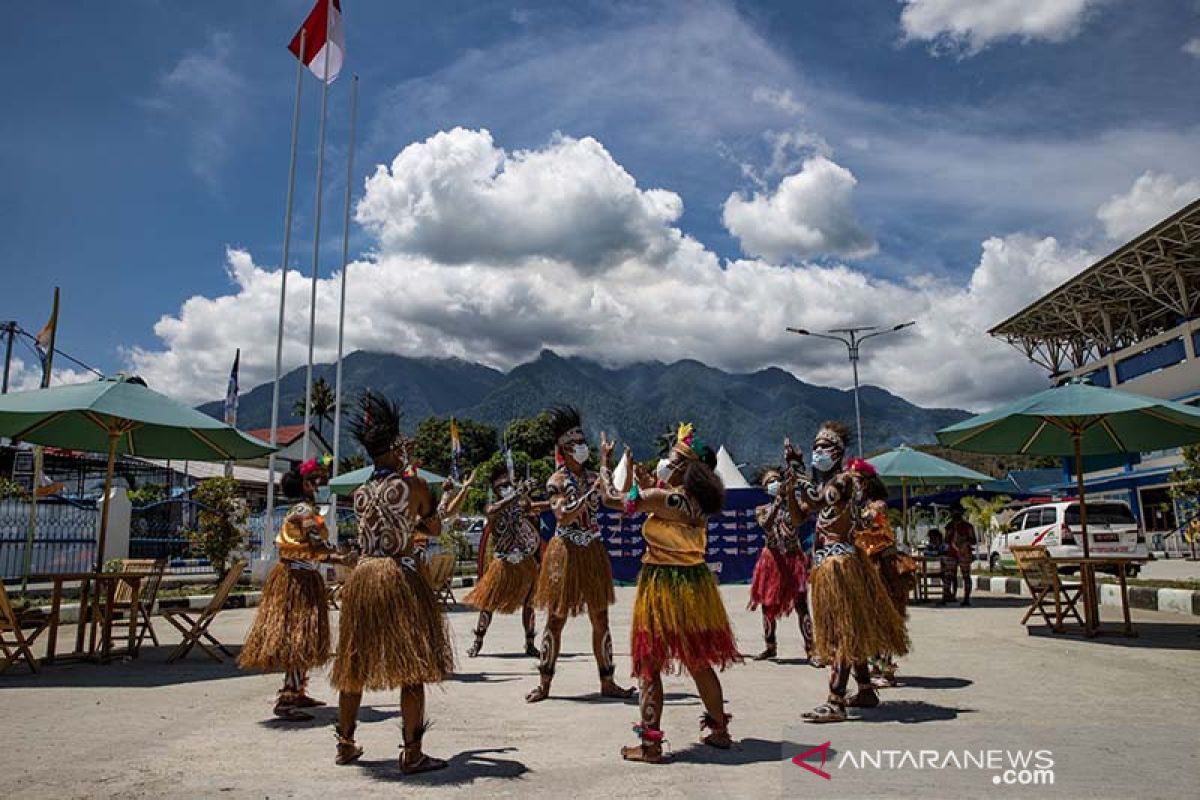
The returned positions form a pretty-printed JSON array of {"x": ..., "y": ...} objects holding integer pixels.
[
  {"x": 312, "y": 306},
  {"x": 31, "y": 531},
  {"x": 337, "y": 403},
  {"x": 231, "y": 405},
  {"x": 269, "y": 522}
]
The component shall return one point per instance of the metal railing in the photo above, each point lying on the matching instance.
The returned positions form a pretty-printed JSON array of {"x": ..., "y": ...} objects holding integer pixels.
[{"x": 64, "y": 537}]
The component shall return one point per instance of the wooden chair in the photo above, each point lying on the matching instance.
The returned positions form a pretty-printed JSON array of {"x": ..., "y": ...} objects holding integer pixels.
[
  {"x": 1042, "y": 578},
  {"x": 441, "y": 574},
  {"x": 333, "y": 586},
  {"x": 195, "y": 631},
  {"x": 153, "y": 569},
  {"x": 14, "y": 641}
]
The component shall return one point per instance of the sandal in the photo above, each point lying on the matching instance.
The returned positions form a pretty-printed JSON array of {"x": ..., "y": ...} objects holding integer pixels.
[
  {"x": 609, "y": 688},
  {"x": 815, "y": 662},
  {"x": 291, "y": 713},
  {"x": 865, "y": 697},
  {"x": 304, "y": 701},
  {"x": 347, "y": 751},
  {"x": 650, "y": 750},
  {"x": 831, "y": 711},
  {"x": 719, "y": 738},
  {"x": 538, "y": 694},
  {"x": 423, "y": 764},
  {"x": 531, "y": 650},
  {"x": 474, "y": 649},
  {"x": 766, "y": 654}
]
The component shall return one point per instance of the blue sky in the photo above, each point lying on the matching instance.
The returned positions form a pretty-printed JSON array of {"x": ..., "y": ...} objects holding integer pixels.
[{"x": 147, "y": 153}]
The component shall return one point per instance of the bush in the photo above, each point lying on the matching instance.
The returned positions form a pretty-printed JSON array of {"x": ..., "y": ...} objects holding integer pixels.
[
  {"x": 10, "y": 489},
  {"x": 222, "y": 523},
  {"x": 145, "y": 495}
]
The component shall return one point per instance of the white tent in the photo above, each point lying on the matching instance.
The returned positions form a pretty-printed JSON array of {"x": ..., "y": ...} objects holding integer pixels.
[{"x": 727, "y": 469}]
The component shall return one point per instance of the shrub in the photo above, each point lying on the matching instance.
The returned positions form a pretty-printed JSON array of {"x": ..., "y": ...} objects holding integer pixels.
[{"x": 221, "y": 528}]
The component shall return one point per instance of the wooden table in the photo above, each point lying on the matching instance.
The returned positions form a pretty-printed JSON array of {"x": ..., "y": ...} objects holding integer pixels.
[
  {"x": 1091, "y": 591},
  {"x": 97, "y": 594},
  {"x": 926, "y": 576}
]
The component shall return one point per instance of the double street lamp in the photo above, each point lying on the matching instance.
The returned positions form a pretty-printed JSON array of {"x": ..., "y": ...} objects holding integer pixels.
[{"x": 853, "y": 339}]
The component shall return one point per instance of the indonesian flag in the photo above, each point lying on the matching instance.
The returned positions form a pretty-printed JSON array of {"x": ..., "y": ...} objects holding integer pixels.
[{"x": 324, "y": 40}]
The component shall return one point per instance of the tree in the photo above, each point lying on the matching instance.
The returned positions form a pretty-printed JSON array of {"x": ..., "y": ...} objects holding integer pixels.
[
  {"x": 983, "y": 513},
  {"x": 221, "y": 526},
  {"x": 531, "y": 435},
  {"x": 324, "y": 403},
  {"x": 1185, "y": 488},
  {"x": 351, "y": 463},
  {"x": 537, "y": 470},
  {"x": 431, "y": 446}
]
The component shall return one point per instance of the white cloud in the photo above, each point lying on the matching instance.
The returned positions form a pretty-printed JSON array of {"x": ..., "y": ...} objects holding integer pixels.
[
  {"x": 779, "y": 99},
  {"x": 458, "y": 198},
  {"x": 968, "y": 26},
  {"x": 25, "y": 377},
  {"x": 1192, "y": 47},
  {"x": 1152, "y": 197},
  {"x": 809, "y": 214},
  {"x": 204, "y": 93}
]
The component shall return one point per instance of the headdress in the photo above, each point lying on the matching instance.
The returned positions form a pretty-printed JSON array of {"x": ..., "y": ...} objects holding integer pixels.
[
  {"x": 862, "y": 467},
  {"x": 564, "y": 420},
  {"x": 314, "y": 464},
  {"x": 686, "y": 443},
  {"x": 828, "y": 430},
  {"x": 377, "y": 426}
]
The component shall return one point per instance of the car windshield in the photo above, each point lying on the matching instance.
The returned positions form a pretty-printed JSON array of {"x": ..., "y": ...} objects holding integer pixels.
[{"x": 1102, "y": 514}]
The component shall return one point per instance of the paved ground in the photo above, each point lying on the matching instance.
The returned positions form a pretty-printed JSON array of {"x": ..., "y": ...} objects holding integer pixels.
[
  {"x": 1174, "y": 569},
  {"x": 1117, "y": 715}
]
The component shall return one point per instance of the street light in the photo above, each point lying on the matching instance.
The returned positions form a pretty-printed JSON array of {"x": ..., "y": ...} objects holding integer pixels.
[{"x": 853, "y": 339}]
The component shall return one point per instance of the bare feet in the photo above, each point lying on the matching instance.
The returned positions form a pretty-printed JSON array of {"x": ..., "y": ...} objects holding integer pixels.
[
  {"x": 474, "y": 649},
  {"x": 304, "y": 701},
  {"x": 291, "y": 713},
  {"x": 769, "y": 652},
  {"x": 347, "y": 751},
  {"x": 866, "y": 697},
  {"x": 539, "y": 693},
  {"x": 609, "y": 688}
]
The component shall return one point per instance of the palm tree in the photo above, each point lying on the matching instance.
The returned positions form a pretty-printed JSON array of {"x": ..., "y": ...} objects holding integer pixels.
[
  {"x": 351, "y": 463},
  {"x": 324, "y": 403}
]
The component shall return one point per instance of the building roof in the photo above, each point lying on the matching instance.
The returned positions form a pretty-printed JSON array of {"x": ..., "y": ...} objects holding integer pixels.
[
  {"x": 212, "y": 469},
  {"x": 287, "y": 434},
  {"x": 1147, "y": 286}
]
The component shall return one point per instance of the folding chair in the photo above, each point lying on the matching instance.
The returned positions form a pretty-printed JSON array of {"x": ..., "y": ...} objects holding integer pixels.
[
  {"x": 14, "y": 640},
  {"x": 1047, "y": 588},
  {"x": 196, "y": 630},
  {"x": 153, "y": 569},
  {"x": 441, "y": 574}
]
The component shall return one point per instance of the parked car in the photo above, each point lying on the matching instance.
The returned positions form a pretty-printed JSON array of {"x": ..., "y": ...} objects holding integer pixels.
[{"x": 1112, "y": 531}]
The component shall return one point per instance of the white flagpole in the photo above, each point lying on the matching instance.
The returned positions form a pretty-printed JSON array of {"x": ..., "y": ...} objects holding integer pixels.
[
  {"x": 337, "y": 406},
  {"x": 269, "y": 522},
  {"x": 312, "y": 307}
]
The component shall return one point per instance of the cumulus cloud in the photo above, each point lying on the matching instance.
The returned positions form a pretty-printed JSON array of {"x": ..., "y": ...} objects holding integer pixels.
[
  {"x": 1192, "y": 47},
  {"x": 25, "y": 377},
  {"x": 810, "y": 213},
  {"x": 1152, "y": 197},
  {"x": 966, "y": 27},
  {"x": 458, "y": 198}
]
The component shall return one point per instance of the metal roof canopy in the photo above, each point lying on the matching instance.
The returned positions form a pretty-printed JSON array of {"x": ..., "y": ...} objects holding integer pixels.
[{"x": 1147, "y": 286}]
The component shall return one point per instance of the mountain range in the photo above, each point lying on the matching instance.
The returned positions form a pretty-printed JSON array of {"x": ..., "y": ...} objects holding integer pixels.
[{"x": 750, "y": 413}]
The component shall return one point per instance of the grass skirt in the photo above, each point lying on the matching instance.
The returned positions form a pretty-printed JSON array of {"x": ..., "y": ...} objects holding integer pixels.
[
  {"x": 291, "y": 628},
  {"x": 574, "y": 578},
  {"x": 779, "y": 583},
  {"x": 679, "y": 622},
  {"x": 392, "y": 632},
  {"x": 505, "y": 586},
  {"x": 897, "y": 584},
  {"x": 853, "y": 617}
]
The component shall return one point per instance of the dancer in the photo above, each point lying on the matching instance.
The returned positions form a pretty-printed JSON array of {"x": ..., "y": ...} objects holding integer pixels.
[
  {"x": 576, "y": 574},
  {"x": 679, "y": 621},
  {"x": 511, "y": 577},
  {"x": 877, "y": 541},
  {"x": 290, "y": 633},
  {"x": 853, "y": 619},
  {"x": 960, "y": 536},
  {"x": 780, "y": 582},
  {"x": 392, "y": 631}
]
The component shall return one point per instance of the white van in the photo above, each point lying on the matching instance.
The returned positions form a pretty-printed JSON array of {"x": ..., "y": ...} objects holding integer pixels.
[{"x": 1112, "y": 531}]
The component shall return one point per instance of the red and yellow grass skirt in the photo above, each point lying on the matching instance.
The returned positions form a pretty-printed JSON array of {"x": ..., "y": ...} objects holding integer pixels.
[
  {"x": 291, "y": 627},
  {"x": 779, "y": 584},
  {"x": 505, "y": 587},
  {"x": 574, "y": 578},
  {"x": 853, "y": 617},
  {"x": 679, "y": 622}
]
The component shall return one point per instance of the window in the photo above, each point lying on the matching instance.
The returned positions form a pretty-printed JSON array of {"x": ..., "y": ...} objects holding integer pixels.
[{"x": 1102, "y": 514}]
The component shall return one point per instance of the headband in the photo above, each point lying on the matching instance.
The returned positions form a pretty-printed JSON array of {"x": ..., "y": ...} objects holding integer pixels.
[
  {"x": 832, "y": 434},
  {"x": 862, "y": 467},
  {"x": 314, "y": 464}
]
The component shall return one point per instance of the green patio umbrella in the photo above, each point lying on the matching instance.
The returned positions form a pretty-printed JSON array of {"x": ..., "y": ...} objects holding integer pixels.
[
  {"x": 345, "y": 484},
  {"x": 121, "y": 416},
  {"x": 1077, "y": 419},
  {"x": 904, "y": 466}
]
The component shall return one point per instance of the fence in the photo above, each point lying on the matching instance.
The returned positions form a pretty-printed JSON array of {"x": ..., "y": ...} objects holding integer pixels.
[{"x": 65, "y": 539}]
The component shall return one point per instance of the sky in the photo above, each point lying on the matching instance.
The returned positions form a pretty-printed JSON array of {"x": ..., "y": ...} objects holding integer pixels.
[{"x": 623, "y": 181}]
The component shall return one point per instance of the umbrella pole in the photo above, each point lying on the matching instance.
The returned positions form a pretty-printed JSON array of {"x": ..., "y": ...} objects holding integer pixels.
[
  {"x": 904, "y": 507},
  {"x": 113, "y": 438},
  {"x": 1076, "y": 436}
]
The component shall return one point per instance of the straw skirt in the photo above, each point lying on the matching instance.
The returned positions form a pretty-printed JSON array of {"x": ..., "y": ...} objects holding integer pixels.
[
  {"x": 392, "y": 632},
  {"x": 505, "y": 587},
  {"x": 574, "y": 578},
  {"x": 853, "y": 616},
  {"x": 779, "y": 583},
  {"x": 679, "y": 622},
  {"x": 291, "y": 628}
]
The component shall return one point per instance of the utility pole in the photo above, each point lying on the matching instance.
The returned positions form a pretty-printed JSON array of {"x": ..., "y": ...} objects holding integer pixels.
[
  {"x": 10, "y": 332},
  {"x": 853, "y": 339}
]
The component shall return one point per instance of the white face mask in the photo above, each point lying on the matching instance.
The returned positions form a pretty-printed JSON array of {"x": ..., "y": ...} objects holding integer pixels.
[
  {"x": 773, "y": 488},
  {"x": 663, "y": 470},
  {"x": 322, "y": 494},
  {"x": 507, "y": 491},
  {"x": 580, "y": 453},
  {"x": 822, "y": 461}
]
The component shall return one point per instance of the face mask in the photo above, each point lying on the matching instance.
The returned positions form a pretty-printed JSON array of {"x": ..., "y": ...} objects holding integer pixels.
[
  {"x": 663, "y": 470},
  {"x": 773, "y": 488},
  {"x": 580, "y": 453},
  {"x": 322, "y": 494},
  {"x": 822, "y": 461},
  {"x": 507, "y": 491}
]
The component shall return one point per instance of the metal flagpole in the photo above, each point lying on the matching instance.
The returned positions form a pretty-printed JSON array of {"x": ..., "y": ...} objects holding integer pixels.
[
  {"x": 38, "y": 456},
  {"x": 269, "y": 522},
  {"x": 312, "y": 307},
  {"x": 337, "y": 403}
]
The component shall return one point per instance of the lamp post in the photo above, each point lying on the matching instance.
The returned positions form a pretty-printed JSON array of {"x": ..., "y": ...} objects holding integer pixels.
[{"x": 853, "y": 339}]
